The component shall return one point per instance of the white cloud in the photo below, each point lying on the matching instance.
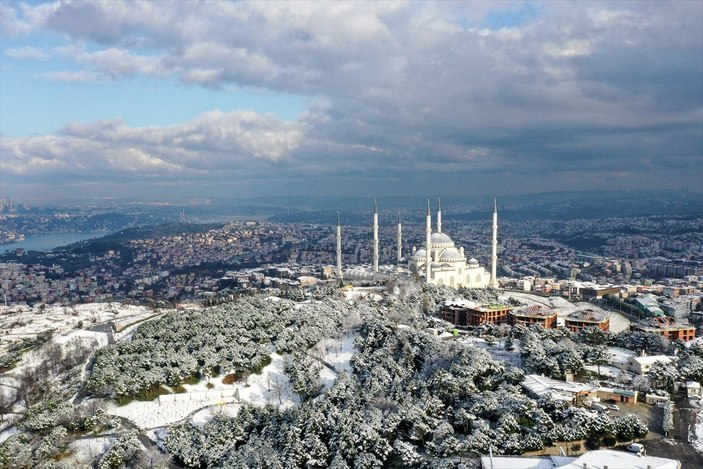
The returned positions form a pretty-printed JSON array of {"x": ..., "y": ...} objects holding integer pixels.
[
  {"x": 414, "y": 86},
  {"x": 26, "y": 53},
  {"x": 215, "y": 144}
]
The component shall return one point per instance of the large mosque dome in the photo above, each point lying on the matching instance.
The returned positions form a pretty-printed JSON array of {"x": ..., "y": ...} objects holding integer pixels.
[{"x": 439, "y": 239}]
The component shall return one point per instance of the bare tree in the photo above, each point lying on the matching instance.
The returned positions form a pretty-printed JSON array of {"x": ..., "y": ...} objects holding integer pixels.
[
  {"x": 8, "y": 397},
  {"x": 277, "y": 390}
]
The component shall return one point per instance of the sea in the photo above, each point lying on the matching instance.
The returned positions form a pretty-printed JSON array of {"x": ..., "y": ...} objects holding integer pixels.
[{"x": 50, "y": 241}]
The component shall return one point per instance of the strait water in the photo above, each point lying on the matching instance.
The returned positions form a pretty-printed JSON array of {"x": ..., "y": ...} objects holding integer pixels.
[{"x": 50, "y": 241}]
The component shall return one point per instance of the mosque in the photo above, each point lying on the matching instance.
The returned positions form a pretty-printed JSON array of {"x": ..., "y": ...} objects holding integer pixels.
[{"x": 440, "y": 264}]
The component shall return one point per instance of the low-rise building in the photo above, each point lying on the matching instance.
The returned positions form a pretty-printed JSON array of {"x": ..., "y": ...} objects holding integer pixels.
[
  {"x": 604, "y": 458},
  {"x": 667, "y": 327},
  {"x": 469, "y": 313},
  {"x": 579, "y": 320},
  {"x": 542, "y": 386},
  {"x": 535, "y": 314},
  {"x": 642, "y": 365}
]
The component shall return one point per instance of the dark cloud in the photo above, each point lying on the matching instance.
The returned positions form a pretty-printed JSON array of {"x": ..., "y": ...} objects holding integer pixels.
[{"x": 403, "y": 96}]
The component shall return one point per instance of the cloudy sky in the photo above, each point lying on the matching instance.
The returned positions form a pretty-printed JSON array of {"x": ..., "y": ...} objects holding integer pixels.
[{"x": 162, "y": 100}]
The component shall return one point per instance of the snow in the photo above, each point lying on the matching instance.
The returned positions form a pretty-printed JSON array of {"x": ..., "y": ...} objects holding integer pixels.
[
  {"x": 695, "y": 436},
  {"x": 18, "y": 323},
  {"x": 338, "y": 353},
  {"x": 8, "y": 432},
  {"x": 83, "y": 335},
  {"x": 203, "y": 416},
  {"x": 171, "y": 408},
  {"x": 620, "y": 357},
  {"x": 618, "y": 322},
  {"x": 605, "y": 370},
  {"x": 87, "y": 450},
  {"x": 358, "y": 293},
  {"x": 501, "y": 462},
  {"x": 620, "y": 459},
  {"x": 594, "y": 459}
]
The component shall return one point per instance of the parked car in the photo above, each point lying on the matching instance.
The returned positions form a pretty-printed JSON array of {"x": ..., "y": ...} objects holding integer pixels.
[
  {"x": 636, "y": 448},
  {"x": 600, "y": 408},
  {"x": 613, "y": 407}
]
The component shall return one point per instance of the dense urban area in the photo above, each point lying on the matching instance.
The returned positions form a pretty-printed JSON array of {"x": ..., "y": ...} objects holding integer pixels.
[{"x": 162, "y": 342}]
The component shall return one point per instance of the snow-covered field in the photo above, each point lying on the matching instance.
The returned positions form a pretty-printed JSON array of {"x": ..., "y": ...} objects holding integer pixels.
[
  {"x": 606, "y": 370},
  {"x": 86, "y": 451},
  {"x": 620, "y": 357},
  {"x": 360, "y": 293},
  {"x": 336, "y": 352},
  {"x": 272, "y": 386},
  {"x": 19, "y": 322}
]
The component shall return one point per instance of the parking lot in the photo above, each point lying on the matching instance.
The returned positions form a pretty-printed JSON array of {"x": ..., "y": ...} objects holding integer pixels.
[{"x": 674, "y": 447}]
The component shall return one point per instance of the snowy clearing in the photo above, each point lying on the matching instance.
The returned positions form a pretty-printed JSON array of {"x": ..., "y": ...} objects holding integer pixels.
[
  {"x": 17, "y": 323},
  {"x": 87, "y": 450},
  {"x": 360, "y": 293},
  {"x": 338, "y": 353},
  {"x": 272, "y": 386}
]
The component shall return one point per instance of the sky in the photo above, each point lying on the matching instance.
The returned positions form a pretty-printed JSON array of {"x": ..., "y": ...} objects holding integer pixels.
[{"x": 175, "y": 100}]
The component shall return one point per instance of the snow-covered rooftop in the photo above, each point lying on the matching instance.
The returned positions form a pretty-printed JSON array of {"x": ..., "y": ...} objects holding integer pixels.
[
  {"x": 593, "y": 460},
  {"x": 651, "y": 359},
  {"x": 542, "y": 386}
]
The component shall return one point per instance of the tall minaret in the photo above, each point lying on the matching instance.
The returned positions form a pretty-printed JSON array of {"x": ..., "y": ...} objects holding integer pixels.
[
  {"x": 400, "y": 239},
  {"x": 339, "y": 249},
  {"x": 375, "y": 237},
  {"x": 439, "y": 215},
  {"x": 494, "y": 255},
  {"x": 428, "y": 244}
]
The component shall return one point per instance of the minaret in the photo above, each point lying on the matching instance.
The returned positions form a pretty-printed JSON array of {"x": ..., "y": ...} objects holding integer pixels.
[
  {"x": 375, "y": 237},
  {"x": 428, "y": 244},
  {"x": 494, "y": 255},
  {"x": 339, "y": 249},
  {"x": 439, "y": 215},
  {"x": 400, "y": 239}
]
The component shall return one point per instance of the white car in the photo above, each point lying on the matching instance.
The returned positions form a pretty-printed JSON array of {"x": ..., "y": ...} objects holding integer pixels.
[
  {"x": 614, "y": 407},
  {"x": 636, "y": 448}
]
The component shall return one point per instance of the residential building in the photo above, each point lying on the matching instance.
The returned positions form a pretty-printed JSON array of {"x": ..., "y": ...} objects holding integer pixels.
[
  {"x": 579, "y": 320},
  {"x": 667, "y": 327},
  {"x": 535, "y": 314},
  {"x": 469, "y": 313}
]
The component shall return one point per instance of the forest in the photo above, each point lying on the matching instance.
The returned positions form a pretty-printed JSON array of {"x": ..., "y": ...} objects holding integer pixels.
[{"x": 410, "y": 399}]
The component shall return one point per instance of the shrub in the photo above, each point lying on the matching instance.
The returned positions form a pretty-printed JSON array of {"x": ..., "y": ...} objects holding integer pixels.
[
  {"x": 229, "y": 379},
  {"x": 192, "y": 379},
  {"x": 151, "y": 393}
]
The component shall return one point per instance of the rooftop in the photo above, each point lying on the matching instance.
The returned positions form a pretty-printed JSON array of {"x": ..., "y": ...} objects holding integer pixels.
[
  {"x": 592, "y": 459},
  {"x": 589, "y": 315},
  {"x": 535, "y": 311}
]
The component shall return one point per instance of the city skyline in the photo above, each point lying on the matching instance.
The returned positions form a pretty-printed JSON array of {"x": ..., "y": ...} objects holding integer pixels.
[{"x": 171, "y": 99}]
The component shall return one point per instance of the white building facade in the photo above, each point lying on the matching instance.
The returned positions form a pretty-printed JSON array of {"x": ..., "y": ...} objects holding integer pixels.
[{"x": 447, "y": 263}]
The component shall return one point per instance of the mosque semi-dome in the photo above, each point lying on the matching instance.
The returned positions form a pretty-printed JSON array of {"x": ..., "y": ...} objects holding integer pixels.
[
  {"x": 473, "y": 262},
  {"x": 420, "y": 254},
  {"x": 451, "y": 254}
]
